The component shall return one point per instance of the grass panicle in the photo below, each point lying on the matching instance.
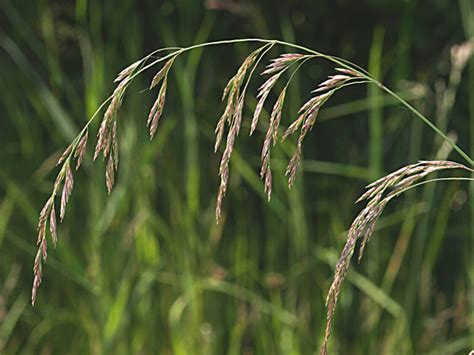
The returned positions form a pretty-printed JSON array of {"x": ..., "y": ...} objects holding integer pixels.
[
  {"x": 81, "y": 149},
  {"x": 378, "y": 193}
]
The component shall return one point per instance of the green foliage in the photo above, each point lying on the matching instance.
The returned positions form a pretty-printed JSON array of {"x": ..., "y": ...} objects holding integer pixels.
[{"x": 146, "y": 269}]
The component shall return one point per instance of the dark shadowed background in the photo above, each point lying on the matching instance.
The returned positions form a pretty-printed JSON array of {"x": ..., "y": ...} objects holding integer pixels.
[{"x": 146, "y": 270}]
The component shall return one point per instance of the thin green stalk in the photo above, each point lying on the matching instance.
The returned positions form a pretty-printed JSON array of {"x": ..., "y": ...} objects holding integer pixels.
[
  {"x": 435, "y": 180},
  {"x": 343, "y": 63},
  {"x": 431, "y": 125}
]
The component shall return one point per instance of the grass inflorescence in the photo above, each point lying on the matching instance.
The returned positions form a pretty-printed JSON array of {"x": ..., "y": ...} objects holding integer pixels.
[{"x": 281, "y": 68}]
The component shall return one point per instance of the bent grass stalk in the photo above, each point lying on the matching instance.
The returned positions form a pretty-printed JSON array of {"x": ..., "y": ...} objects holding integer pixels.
[{"x": 379, "y": 193}]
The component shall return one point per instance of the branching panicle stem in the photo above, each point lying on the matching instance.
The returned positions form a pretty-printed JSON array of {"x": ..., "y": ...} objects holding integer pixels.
[{"x": 379, "y": 193}]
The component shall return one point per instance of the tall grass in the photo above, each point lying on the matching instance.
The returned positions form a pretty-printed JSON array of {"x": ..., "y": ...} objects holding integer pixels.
[{"x": 151, "y": 249}]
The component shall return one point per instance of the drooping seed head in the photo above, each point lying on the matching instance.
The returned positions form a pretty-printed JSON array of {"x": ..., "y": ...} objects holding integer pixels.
[{"x": 379, "y": 193}]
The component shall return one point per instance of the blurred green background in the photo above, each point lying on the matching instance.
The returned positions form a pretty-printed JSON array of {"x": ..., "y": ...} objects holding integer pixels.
[{"x": 146, "y": 270}]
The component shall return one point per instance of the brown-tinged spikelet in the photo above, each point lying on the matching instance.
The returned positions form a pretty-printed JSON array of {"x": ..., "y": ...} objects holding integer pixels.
[
  {"x": 125, "y": 73},
  {"x": 52, "y": 225},
  {"x": 219, "y": 132},
  {"x": 157, "y": 109},
  {"x": 115, "y": 147},
  {"x": 67, "y": 189},
  {"x": 224, "y": 165},
  {"x": 110, "y": 174},
  {"x": 81, "y": 149},
  {"x": 104, "y": 137},
  {"x": 43, "y": 219},
  {"x": 162, "y": 73},
  {"x": 332, "y": 82},
  {"x": 38, "y": 273},
  {"x": 262, "y": 95},
  {"x": 101, "y": 137},
  {"x": 42, "y": 244},
  {"x": 276, "y": 114},
  {"x": 283, "y": 61},
  {"x": 271, "y": 136},
  {"x": 65, "y": 154},
  {"x": 379, "y": 194},
  {"x": 44, "y": 248},
  {"x": 349, "y": 72}
]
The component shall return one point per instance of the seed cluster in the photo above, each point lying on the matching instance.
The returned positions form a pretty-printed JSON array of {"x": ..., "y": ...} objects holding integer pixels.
[{"x": 378, "y": 194}]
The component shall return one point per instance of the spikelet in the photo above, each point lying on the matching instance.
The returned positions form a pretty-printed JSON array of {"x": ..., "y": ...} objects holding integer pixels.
[
  {"x": 224, "y": 165},
  {"x": 43, "y": 219},
  {"x": 332, "y": 82},
  {"x": 52, "y": 226},
  {"x": 284, "y": 61},
  {"x": 262, "y": 95},
  {"x": 110, "y": 174},
  {"x": 125, "y": 73},
  {"x": 159, "y": 104},
  {"x": 38, "y": 274},
  {"x": 271, "y": 136},
  {"x": 65, "y": 154},
  {"x": 67, "y": 189},
  {"x": 275, "y": 116},
  {"x": 157, "y": 110},
  {"x": 115, "y": 147},
  {"x": 162, "y": 73},
  {"x": 81, "y": 149}
]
